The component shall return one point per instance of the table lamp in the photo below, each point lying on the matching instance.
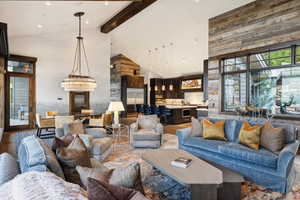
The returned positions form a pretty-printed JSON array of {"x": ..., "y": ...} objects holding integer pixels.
[{"x": 116, "y": 106}]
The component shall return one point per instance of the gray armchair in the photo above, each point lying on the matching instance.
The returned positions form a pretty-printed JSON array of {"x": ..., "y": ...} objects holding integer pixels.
[
  {"x": 146, "y": 132},
  {"x": 95, "y": 139}
]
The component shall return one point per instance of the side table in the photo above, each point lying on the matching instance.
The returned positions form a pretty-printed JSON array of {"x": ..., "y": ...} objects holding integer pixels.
[{"x": 118, "y": 131}]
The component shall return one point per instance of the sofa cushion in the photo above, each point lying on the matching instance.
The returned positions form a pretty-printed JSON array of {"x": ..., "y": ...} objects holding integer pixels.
[
  {"x": 250, "y": 135},
  {"x": 41, "y": 186},
  {"x": 146, "y": 134},
  {"x": 272, "y": 138},
  {"x": 73, "y": 128},
  {"x": 229, "y": 128},
  {"x": 147, "y": 121},
  {"x": 33, "y": 151},
  {"x": 101, "y": 145},
  {"x": 101, "y": 174},
  {"x": 199, "y": 142},
  {"x": 213, "y": 130},
  {"x": 101, "y": 190},
  {"x": 9, "y": 167},
  {"x": 259, "y": 157},
  {"x": 197, "y": 129},
  {"x": 75, "y": 154}
]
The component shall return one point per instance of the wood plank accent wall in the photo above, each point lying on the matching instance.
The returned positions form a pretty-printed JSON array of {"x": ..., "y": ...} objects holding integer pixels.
[
  {"x": 2, "y": 105},
  {"x": 253, "y": 26},
  {"x": 257, "y": 24},
  {"x": 125, "y": 66}
]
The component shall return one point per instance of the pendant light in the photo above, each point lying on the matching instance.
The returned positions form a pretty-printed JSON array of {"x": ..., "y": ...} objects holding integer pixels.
[
  {"x": 171, "y": 86},
  {"x": 155, "y": 87},
  {"x": 163, "y": 87},
  {"x": 77, "y": 81}
]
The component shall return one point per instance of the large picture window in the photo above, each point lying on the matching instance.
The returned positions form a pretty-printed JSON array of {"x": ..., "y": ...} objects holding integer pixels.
[{"x": 268, "y": 80}]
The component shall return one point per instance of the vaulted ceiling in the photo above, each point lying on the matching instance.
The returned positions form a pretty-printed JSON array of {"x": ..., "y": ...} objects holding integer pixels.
[{"x": 169, "y": 38}]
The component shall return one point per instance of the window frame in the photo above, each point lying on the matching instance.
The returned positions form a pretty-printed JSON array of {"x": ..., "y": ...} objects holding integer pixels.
[{"x": 249, "y": 70}]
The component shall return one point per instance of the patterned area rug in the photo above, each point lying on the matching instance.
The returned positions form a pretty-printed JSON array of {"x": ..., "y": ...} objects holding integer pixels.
[{"x": 160, "y": 187}]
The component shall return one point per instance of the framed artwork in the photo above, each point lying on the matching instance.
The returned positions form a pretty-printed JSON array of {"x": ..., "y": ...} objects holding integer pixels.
[{"x": 191, "y": 84}]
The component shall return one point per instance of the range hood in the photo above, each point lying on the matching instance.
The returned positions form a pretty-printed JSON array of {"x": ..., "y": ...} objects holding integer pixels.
[{"x": 3, "y": 40}]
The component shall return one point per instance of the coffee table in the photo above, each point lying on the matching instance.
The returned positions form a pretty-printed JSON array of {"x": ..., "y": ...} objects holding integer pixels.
[{"x": 203, "y": 177}]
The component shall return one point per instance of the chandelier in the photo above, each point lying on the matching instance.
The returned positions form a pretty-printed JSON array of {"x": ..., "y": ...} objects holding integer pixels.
[{"x": 77, "y": 81}]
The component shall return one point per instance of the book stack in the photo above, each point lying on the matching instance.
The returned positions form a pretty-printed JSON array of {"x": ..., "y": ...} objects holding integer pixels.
[{"x": 181, "y": 162}]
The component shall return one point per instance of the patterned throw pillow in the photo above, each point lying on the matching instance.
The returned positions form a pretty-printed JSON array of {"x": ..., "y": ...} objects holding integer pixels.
[
  {"x": 9, "y": 168},
  {"x": 213, "y": 130},
  {"x": 74, "y": 128},
  {"x": 102, "y": 174},
  {"x": 101, "y": 190},
  {"x": 57, "y": 142},
  {"x": 75, "y": 154},
  {"x": 129, "y": 176},
  {"x": 41, "y": 185},
  {"x": 197, "y": 129},
  {"x": 272, "y": 138},
  {"x": 250, "y": 135}
]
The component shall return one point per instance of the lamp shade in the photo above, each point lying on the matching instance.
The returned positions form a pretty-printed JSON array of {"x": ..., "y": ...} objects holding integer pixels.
[{"x": 116, "y": 106}]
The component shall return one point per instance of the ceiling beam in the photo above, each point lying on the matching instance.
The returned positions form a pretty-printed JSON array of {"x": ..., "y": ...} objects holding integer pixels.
[
  {"x": 125, "y": 14},
  {"x": 88, "y": 0}
]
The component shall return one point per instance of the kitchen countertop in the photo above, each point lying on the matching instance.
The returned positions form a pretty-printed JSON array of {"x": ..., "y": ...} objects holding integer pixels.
[{"x": 179, "y": 106}]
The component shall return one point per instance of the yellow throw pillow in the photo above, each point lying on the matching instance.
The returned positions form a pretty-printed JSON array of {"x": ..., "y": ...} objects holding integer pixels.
[
  {"x": 213, "y": 130},
  {"x": 250, "y": 135}
]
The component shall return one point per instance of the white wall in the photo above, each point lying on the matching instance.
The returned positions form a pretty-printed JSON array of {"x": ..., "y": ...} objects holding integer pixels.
[{"x": 55, "y": 53}]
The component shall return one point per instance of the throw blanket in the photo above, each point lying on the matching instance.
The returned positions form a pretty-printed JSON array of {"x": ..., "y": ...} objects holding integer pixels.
[{"x": 40, "y": 186}]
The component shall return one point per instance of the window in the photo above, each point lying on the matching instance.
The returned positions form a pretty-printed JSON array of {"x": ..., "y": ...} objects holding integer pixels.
[{"x": 268, "y": 80}]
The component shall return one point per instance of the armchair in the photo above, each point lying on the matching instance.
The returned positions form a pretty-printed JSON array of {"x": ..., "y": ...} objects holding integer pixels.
[
  {"x": 95, "y": 139},
  {"x": 146, "y": 132}
]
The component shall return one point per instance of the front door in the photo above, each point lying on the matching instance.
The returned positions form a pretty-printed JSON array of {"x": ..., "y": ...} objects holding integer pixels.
[{"x": 20, "y": 93}]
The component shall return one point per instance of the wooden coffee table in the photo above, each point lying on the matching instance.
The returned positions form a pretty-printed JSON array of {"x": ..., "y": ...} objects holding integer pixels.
[{"x": 204, "y": 178}]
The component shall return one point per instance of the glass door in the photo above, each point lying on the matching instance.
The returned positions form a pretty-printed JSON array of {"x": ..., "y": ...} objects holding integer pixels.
[
  {"x": 19, "y": 105},
  {"x": 20, "y": 95}
]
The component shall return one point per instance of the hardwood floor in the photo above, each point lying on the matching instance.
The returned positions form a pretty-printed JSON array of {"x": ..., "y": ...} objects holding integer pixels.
[{"x": 8, "y": 144}]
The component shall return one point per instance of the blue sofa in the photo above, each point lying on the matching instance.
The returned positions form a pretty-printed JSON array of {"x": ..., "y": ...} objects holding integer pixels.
[{"x": 274, "y": 171}]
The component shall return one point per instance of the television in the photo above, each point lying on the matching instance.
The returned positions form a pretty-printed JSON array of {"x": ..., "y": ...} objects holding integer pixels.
[{"x": 3, "y": 40}]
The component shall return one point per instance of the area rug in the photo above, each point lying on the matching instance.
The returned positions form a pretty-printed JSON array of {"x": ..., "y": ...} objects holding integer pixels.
[{"x": 160, "y": 187}]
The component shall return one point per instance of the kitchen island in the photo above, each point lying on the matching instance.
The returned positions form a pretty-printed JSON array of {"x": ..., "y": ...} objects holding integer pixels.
[{"x": 181, "y": 113}]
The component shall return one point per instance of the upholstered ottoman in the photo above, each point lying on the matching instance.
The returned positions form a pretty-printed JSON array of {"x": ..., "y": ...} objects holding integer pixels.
[{"x": 101, "y": 148}]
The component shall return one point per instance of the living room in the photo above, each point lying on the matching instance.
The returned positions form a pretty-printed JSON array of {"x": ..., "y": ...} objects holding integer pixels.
[{"x": 149, "y": 99}]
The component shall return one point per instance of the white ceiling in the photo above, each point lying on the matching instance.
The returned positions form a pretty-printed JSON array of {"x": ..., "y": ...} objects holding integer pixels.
[
  {"x": 169, "y": 38},
  {"x": 23, "y": 17}
]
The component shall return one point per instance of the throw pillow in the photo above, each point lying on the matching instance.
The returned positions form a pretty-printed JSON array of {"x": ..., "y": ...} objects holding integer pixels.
[
  {"x": 250, "y": 135},
  {"x": 213, "y": 130},
  {"x": 75, "y": 154},
  {"x": 147, "y": 122},
  {"x": 196, "y": 130},
  {"x": 272, "y": 138},
  {"x": 74, "y": 128},
  {"x": 57, "y": 142},
  {"x": 9, "y": 168},
  {"x": 41, "y": 186},
  {"x": 129, "y": 176},
  {"x": 101, "y": 174},
  {"x": 101, "y": 190}
]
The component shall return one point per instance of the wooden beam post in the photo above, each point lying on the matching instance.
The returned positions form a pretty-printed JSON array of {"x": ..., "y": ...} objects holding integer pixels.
[{"x": 125, "y": 14}]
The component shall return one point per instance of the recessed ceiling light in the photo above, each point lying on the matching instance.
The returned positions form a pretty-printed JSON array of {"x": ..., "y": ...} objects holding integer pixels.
[
  {"x": 40, "y": 26},
  {"x": 106, "y": 3},
  {"x": 87, "y": 21},
  {"x": 197, "y": 1},
  {"x": 48, "y": 3}
]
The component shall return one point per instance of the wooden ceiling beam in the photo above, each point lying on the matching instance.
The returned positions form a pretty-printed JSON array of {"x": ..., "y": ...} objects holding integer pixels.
[{"x": 125, "y": 14}]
